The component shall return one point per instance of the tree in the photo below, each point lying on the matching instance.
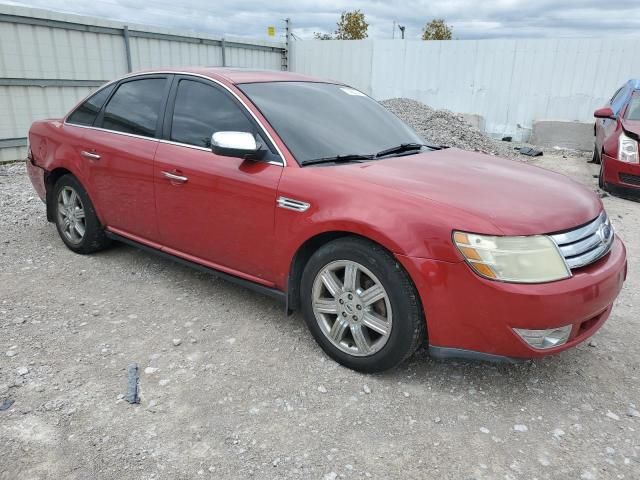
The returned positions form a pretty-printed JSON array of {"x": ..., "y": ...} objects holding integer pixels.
[
  {"x": 322, "y": 36},
  {"x": 352, "y": 26},
  {"x": 437, "y": 29}
]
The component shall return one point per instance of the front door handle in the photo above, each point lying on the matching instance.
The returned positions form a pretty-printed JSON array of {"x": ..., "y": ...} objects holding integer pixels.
[
  {"x": 90, "y": 155},
  {"x": 174, "y": 178}
]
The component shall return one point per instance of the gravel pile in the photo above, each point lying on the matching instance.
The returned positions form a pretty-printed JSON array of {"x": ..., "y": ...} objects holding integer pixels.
[{"x": 442, "y": 127}]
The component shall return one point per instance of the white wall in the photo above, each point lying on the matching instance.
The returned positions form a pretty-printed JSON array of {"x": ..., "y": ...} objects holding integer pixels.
[{"x": 509, "y": 82}]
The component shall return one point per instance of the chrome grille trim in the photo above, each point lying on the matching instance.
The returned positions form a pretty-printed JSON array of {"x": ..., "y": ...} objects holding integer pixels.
[
  {"x": 586, "y": 244},
  {"x": 291, "y": 204}
]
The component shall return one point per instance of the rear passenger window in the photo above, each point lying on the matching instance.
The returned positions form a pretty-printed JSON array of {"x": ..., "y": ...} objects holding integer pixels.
[
  {"x": 86, "y": 113},
  {"x": 200, "y": 110},
  {"x": 135, "y": 107}
]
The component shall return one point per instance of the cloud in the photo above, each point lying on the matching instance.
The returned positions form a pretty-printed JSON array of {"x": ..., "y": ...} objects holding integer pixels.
[{"x": 471, "y": 19}]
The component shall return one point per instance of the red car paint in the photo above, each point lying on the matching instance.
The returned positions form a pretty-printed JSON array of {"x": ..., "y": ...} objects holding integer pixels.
[{"x": 409, "y": 205}]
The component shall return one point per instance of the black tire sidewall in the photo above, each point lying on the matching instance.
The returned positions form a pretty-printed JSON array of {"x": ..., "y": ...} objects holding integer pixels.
[
  {"x": 94, "y": 235},
  {"x": 405, "y": 305}
]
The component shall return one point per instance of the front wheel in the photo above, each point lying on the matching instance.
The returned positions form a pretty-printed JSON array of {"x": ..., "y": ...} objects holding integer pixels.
[
  {"x": 596, "y": 156},
  {"x": 361, "y": 306}
]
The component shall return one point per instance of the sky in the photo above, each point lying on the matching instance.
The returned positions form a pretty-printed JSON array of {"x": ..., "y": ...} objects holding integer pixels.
[{"x": 470, "y": 19}]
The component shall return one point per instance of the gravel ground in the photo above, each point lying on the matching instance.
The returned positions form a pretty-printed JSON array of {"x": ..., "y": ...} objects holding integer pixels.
[
  {"x": 442, "y": 127},
  {"x": 232, "y": 388}
]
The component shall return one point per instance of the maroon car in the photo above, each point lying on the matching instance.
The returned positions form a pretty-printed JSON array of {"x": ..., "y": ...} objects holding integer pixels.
[
  {"x": 313, "y": 193},
  {"x": 617, "y": 132}
]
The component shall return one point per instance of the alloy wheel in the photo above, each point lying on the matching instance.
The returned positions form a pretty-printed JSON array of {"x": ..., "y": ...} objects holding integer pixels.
[
  {"x": 352, "y": 308},
  {"x": 71, "y": 215}
]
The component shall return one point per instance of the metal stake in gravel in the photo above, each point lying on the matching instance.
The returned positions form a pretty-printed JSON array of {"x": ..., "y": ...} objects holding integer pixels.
[{"x": 133, "y": 384}]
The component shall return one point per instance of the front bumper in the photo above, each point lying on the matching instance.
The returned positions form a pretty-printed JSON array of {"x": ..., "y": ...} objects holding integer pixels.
[
  {"x": 468, "y": 316},
  {"x": 621, "y": 178}
]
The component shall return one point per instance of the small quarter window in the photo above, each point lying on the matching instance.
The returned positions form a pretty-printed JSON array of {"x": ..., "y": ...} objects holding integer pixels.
[
  {"x": 135, "y": 107},
  {"x": 86, "y": 113}
]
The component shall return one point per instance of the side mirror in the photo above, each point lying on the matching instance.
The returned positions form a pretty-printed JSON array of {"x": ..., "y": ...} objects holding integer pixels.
[
  {"x": 236, "y": 144},
  {"x": 604, "y": 112}
]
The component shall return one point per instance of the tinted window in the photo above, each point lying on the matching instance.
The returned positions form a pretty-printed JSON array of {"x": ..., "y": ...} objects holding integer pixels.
[
  {"x": 200, "y": 110},
  {"x": 86, "y": 113},
  {"x": 318, "y": 120},
  {"x": 135, "y": 107}
]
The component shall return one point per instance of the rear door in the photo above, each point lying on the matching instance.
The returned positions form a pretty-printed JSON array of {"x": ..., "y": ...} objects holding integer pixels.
[
  {"x": 120, "y": 153},
  {"x": 214, "y": 209}
]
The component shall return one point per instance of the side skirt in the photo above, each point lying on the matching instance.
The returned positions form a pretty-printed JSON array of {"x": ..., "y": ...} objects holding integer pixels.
[{"x": 270, "y": 292}]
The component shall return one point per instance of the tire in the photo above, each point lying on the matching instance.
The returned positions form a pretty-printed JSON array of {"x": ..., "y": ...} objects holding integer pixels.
[
  {"x": 596, "y": 156},
  {"x": 75, "y": 217},
  {"x": 373, "y": 328},
  {"x": 601, "y": 183}
]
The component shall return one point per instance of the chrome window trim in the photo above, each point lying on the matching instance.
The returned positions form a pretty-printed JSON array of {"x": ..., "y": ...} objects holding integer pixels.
[
  {"x": 134, "y": 135},
  {"x": 163, "y": 72}
]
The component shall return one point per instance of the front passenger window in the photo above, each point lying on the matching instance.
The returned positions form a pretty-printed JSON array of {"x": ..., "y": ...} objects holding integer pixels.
[{"x": 200, "y": 110}]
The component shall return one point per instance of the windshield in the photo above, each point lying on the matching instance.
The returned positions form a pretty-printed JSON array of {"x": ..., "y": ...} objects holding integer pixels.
[
  {"x": 633, "y": 110},
  {"x": 322, "y": 120}
]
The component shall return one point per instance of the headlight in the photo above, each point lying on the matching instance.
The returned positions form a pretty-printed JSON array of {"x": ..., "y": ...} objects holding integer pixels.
[
  {"x": 533, "y": 259},
  {"x": 627, "y": 149}
]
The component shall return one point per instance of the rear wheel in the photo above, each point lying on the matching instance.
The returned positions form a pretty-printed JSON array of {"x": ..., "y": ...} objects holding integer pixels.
[
  {"x": 75, "y": 217},
  {"x": 361, "y": 306}
]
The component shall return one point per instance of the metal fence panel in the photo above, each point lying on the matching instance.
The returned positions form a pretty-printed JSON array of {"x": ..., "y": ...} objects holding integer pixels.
[
  {"x": 49, "y": 61},
  {"x": 510, "y": 83}
]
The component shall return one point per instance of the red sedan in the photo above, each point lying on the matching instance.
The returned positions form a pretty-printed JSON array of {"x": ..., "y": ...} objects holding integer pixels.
[
  {"x": 617, "y": 132},
  {"x": 312, "y": 192}
]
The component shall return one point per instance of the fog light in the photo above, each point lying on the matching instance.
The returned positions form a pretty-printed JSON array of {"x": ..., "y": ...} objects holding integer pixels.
[{"x": 542, "y": 339}]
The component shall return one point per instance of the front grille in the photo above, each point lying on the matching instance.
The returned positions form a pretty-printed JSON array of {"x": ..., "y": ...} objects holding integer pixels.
[
  {"x": 584, "y": 245},
  {"x": 630, "y": 179}
]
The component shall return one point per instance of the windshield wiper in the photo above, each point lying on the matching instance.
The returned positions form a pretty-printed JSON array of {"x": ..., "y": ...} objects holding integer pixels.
[
  {"x": 403, "y": 147},
  {"x": 406, "y": 147},
  {"x": 352, "y": 157}
]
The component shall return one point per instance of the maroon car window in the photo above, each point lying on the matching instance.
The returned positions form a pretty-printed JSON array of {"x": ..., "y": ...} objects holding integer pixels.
[
  {"x": 86, "y": 113},
  {"x": 135, "y": 107},
  {"x": 200, "y": 110}
]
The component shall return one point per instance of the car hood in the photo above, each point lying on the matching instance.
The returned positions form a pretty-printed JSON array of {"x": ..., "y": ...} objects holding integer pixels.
[{"x": 518, "y": 199}]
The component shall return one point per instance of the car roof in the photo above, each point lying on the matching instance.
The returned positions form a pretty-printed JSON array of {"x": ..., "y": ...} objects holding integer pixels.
[{"x": 242, "y": 75}]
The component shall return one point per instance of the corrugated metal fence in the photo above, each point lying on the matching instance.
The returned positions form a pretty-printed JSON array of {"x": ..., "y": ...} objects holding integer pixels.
[
  {"x": 49, "y": 61},
  {"x": 510, "y": 83}
]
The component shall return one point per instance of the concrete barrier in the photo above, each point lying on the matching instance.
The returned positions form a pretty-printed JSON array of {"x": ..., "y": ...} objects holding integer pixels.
[
  {"x": 475, "y": 120},
  {"x": 552, "y": 133}
]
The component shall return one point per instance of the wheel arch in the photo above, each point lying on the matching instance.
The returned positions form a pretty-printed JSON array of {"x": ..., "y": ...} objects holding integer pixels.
[
  {"x": 50, "y": 180},
  {"x": 308, "y": 248}
]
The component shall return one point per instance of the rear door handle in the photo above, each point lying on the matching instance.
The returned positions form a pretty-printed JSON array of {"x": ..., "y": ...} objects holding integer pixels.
[
  {"x": 90, "y": 155},
  {"x": 174, "y": 178}
]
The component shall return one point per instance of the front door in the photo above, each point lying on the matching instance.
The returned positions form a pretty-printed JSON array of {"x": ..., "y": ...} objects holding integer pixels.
[{"x": 214, "y": 209}]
